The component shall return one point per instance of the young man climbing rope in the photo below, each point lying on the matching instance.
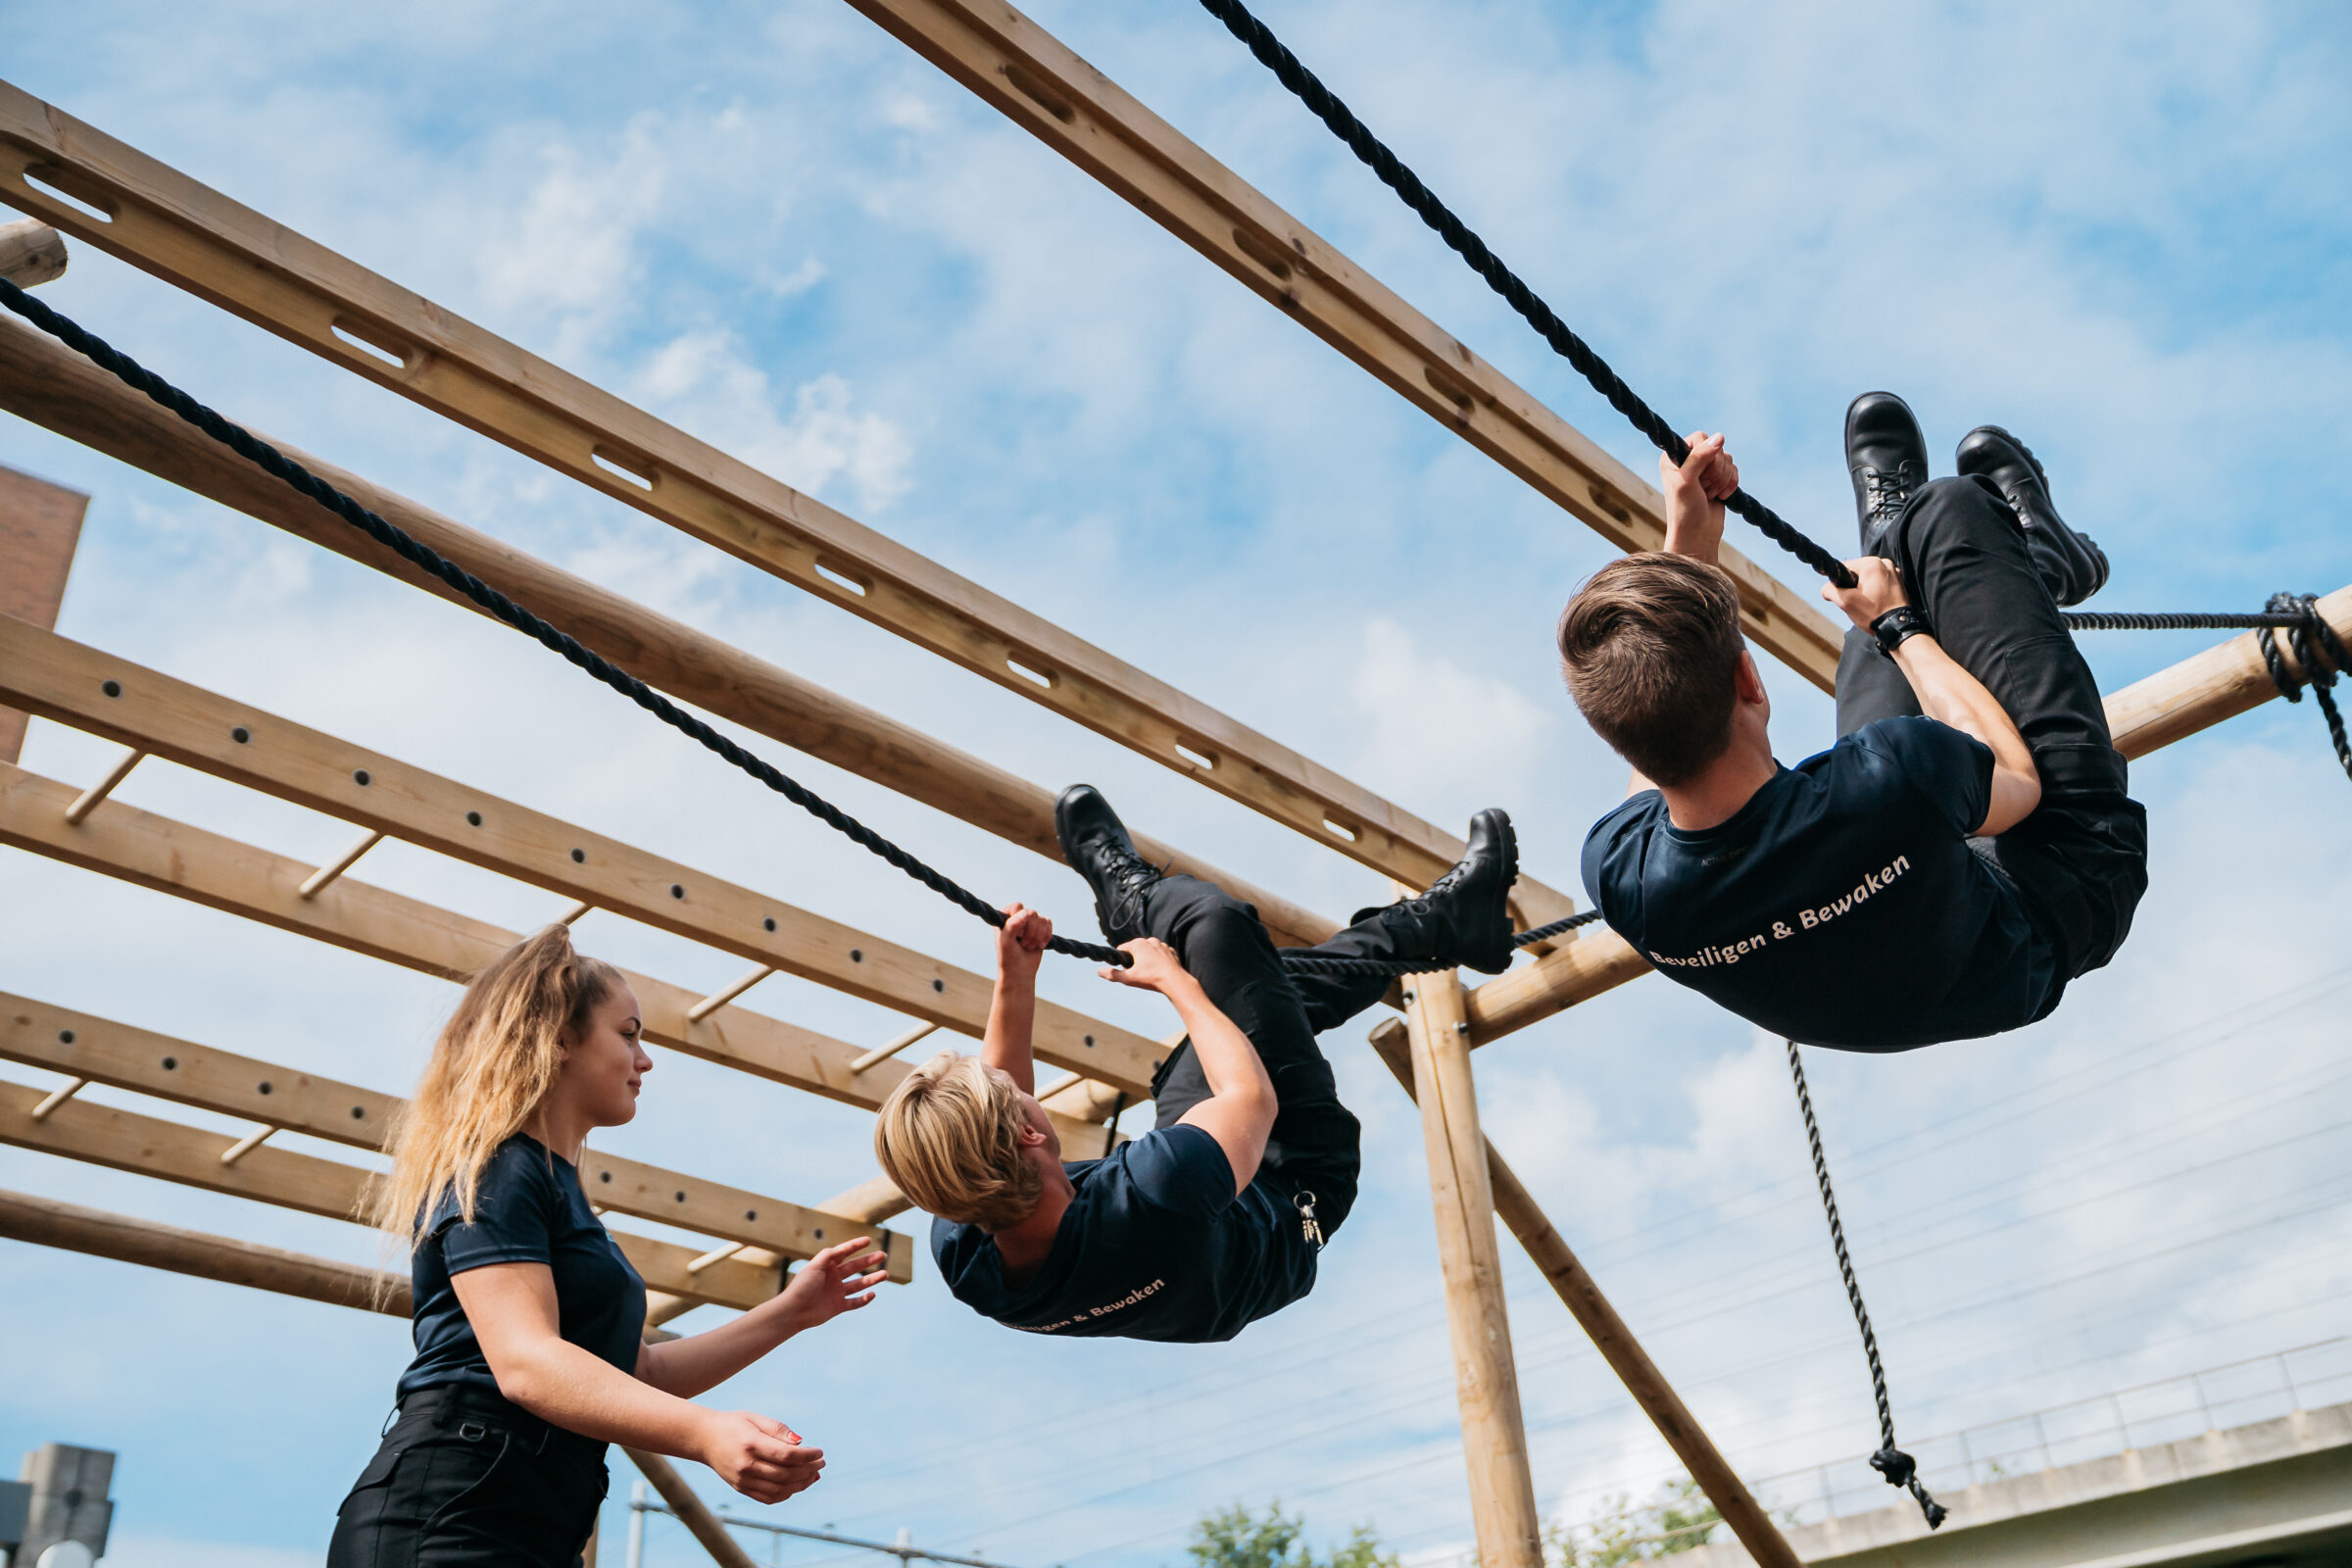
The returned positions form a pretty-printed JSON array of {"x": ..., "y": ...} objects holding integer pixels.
[
  {"x": 1215, "y": 1217},
  {"x": 1964, "y": 851}
]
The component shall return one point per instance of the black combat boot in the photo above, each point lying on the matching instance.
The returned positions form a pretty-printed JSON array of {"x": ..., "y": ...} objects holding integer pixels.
[
  {"x": 2070, "y": 563},
  {"x": 1462, "y": 920},
  {"x": 1886, "y": 457},
  {"x": 1095, "y": 844}
]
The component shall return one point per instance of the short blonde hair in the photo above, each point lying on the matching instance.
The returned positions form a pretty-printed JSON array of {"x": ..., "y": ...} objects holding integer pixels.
[{"x": 949, "y": 1136}]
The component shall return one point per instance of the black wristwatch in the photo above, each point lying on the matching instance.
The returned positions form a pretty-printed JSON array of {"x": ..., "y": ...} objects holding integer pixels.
[{"x": 1903, "y": 621}]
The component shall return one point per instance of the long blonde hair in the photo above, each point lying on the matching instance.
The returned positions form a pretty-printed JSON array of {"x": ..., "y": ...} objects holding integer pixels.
[
  {"x": 949, "y": 1136},
  {"x": 495, "y": 1061}
]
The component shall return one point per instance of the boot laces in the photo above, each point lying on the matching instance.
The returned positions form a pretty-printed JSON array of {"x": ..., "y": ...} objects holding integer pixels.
[
  {"x": 1886, "y": 492},
  {"x": 1126, "y": 877}
]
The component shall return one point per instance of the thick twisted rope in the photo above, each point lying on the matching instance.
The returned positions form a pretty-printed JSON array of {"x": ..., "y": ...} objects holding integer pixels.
[
  {"x": 1377, "y": 156},
  {"x": 278, "y": 465},
  {"x": 1898, "y": 1467}
]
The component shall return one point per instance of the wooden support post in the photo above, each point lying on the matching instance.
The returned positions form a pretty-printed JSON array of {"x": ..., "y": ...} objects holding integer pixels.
[
  {"x": 690, "y": 1510},
  {"x": 64, "y": 680},
  {"x": 31, "y": 253},
  {"x": 170, "y": 226},
  {"x": 156, "y": 853},
  {"x": 1502, "y": 1492},
  {"x": 1591, "y": 1311}
]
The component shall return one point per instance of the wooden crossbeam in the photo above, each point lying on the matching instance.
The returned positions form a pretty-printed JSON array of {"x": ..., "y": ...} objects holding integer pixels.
[
  {"x": 1577, "y": 1291},
  {"x": 148, "y": 1146},
  {"x": 74, "y": 684},
  {"x": 163, "y": 221},
  {"x": 2201, "y": 691},
  {"x": 43, "y": 382},
  {"x": 154, "y": 851},
  {"x": 1041, "y": 85},
  {"x": 69, "y": 1227},
  {"x": 63, "y": 1040}
]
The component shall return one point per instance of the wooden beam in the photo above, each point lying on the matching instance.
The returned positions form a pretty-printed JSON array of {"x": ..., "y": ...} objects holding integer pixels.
[
  {"x": 1611, "y": 1337},
  {"x": 46, "y": 1222},
  {"x": 1041, "y": 85},
  {"x": 96, "y": 692},
  {"x": 2201, "y": 691},
  {"x": 43, "y": 382},
  {"x": 40, "y": 523},
  {"x": 156, "y": 853},
  {"x": 1502, "y": 1490},
  {"x": 147, "y": 1146},
  {"x": 31, "y": 253},
  {"x": 169, "y": 224},
  {"x": 2196, "y": 694},
  {"x": 40, "y": 1034}
]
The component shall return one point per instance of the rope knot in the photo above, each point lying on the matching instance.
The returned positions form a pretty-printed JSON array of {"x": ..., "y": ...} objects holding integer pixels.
[{"x": 1901, "y": 1470}]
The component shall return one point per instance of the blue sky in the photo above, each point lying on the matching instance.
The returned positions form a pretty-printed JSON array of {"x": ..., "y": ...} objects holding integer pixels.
[{"x": 2118, "y": 230}]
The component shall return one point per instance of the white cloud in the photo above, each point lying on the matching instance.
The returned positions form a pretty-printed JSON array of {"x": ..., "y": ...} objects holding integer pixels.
[
  {"x": 704, "y": 381},
  {"x": 1432, "y": 731}
]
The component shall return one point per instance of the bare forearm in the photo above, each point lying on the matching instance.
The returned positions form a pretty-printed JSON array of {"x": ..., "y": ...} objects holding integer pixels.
[
  {"x": 695, "y": 1365},
  {"x": 1011, "y": 1023},
  {"x": 1228, "y": 1061},
  {"x": 1948, "y": 693},
  {"x": 574, "y": 1388}
]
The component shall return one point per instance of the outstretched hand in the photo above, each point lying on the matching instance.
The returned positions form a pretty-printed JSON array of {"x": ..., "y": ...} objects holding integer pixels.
[
  {"x": 1021, "y": 942},
  {"x": 1695, "y": 490},
  {"x": 759, "y": 1455},
  {"x": 840, "y": 1279},
  {"x": 1155, "y": 966},
  {"x": 1878, "y": 588}
]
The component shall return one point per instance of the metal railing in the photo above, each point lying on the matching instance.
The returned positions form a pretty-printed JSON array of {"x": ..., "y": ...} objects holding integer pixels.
[{"x": 902, "y": 1549}]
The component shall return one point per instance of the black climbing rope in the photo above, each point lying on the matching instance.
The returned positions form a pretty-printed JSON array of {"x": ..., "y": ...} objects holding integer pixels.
[
  {"x": 2310, "y": 635},
  {"x": 1324, "y": 964},
  {"x": 1898, "y": 1467},
  {"x": 1376, "y": 156},
  {"x": 2283, "y": 615},
  {"x": 276, "y": 464}
]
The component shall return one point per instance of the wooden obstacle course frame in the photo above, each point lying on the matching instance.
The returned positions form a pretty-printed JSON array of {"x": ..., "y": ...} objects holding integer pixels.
[{"x": 178, "y": 230}]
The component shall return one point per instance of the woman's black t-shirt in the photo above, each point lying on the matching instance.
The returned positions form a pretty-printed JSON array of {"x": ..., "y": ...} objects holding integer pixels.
[{"x": 528, "y": 1210}]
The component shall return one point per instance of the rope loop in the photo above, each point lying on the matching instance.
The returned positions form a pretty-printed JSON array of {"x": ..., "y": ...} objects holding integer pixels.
[{"x": 2319, "y": 652}]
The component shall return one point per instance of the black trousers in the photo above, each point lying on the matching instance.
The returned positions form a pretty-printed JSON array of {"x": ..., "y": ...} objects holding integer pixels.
[
  {"x": 2079, "y": 861},
  {"x": 466, "y": 1480},
  {"x": 1316, "y": 1142}
]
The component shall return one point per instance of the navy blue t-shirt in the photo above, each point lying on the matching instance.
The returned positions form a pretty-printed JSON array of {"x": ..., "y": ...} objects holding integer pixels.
[
  {"x": 1841, "y": 905},
  {"x": 1154, "y": 1246},
  {"x": 528, "y": 1210}
]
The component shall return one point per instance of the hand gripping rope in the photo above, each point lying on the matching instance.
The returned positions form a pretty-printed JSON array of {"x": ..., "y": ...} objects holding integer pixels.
[
  {"x": 276, "y": 464},
  {"x": 2286, "y": 613}
]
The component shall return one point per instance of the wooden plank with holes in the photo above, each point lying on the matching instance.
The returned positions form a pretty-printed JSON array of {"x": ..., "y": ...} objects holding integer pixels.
[
  {"x": 169, "y": 224},
  {"x": 65, "y": 1040},
  {"x": 43, "y": 382},
  {"x": 93, "y": 691},
  {"x": 1043, "y": 86},
  {"x": 40, "y": 523},
  {"x": 154, "y": 851},
  {"x": 148, "y": 1146}
]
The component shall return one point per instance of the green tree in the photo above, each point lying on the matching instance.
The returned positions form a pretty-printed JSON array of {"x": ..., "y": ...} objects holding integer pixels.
[
  {"x": 1680, "y": 1519},
  {"x": 1241, "y": 1537}
]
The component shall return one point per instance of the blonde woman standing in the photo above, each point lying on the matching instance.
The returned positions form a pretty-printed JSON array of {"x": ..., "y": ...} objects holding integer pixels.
[{"x": 529, "y": 1321}]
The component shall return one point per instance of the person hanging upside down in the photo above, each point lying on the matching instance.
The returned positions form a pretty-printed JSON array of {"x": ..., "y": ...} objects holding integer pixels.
[
  {"x": 1964, "y": 850},
  {"x": 1215, "y": 1217}
]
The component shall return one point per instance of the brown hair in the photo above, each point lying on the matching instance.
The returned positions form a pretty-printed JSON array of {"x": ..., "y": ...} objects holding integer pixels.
[
  {"x": 495, "y": 1061},
  {"x": 1650, "y": 646},
  {"x": 949, "y": 1135}
]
